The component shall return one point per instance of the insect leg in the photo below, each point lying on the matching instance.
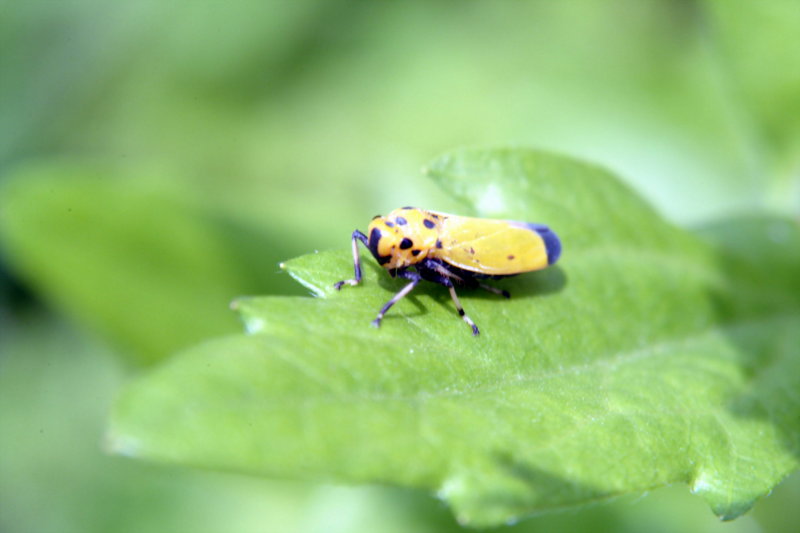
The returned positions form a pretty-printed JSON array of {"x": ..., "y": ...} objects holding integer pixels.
[
  {"x": 415, "y": 278},
  {"x": 461, "y": 312},
  {"x": 495, "y": 290},
  {"x": 357, "y": 236}
]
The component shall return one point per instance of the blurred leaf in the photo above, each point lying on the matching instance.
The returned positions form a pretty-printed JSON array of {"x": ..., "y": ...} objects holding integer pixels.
[
  {"x": 641, "y": 361},
  {"x": 757, "y": 48},
  {"x": 300, "y": 112},
  {"x": 134, "y": 260},
  {"x": 57, "y": 386}
]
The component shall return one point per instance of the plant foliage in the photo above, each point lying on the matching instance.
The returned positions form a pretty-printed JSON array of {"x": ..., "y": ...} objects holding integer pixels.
[{"x": 650, "y": 355}]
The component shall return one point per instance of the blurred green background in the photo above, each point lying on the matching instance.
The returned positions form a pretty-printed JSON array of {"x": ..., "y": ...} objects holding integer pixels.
[{"x": 158, "y": 159}]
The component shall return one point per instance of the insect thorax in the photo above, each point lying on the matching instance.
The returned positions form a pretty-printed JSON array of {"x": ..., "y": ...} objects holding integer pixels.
[{"x": 404, "y": 237}]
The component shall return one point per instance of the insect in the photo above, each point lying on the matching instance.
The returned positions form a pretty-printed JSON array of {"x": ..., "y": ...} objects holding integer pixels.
[{"x": 452, "y": 250}]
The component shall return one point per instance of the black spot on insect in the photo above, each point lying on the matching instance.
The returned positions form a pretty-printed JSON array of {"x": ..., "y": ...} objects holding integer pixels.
[
  {"x": 376, "y": 216},
  {"x": 406, "y": 243},
  {"x": 435, "y": 216},
  {"x": 389, "y": 224},
  {"x": 415, "y": 253},
  {"x": 511, "y": 257},
  {"x": 472, "y": 250},
  {"x": 374, "y": 238},
  {"x": 407, "y": 208},
  {"x": 401, "y": 221},
  {"x": 383, "y": 259},
  {"x": 438, "y": 243},
  {"x": 430, "y": 224}
]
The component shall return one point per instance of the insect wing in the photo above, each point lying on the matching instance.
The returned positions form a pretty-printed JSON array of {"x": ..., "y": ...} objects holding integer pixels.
[{"x": 492, "y": 247}]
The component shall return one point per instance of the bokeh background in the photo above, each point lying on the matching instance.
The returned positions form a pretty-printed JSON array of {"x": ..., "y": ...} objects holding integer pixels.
[{"x": 158, "y": 159}]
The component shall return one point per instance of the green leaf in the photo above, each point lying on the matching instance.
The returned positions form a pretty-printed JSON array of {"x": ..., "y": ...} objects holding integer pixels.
[
  {"x": 762, "y": 93},
  {"x": 648, "y": 356},
  {"x": 127, "y": 256}
]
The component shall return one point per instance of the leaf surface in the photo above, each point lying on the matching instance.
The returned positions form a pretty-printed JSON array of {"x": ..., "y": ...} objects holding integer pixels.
[
  {"x": 647, "y": 356},
  {"x": 130, "y": 257}
]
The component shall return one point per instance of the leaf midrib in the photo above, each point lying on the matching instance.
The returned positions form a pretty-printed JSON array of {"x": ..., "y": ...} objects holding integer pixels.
[{"x": 662, "y": 347}]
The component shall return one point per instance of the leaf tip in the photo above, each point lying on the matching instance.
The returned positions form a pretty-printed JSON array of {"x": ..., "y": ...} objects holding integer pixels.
[
  {"x": 316, "y": 289},
  {"x": 253, "y": 325},
  {"x": 719, "y": 499},
  {"x": 252, "y": 322},
  {"x": 125, "y": 446}
]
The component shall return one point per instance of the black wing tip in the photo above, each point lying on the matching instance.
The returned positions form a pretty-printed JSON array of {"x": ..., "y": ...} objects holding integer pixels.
[{"x": 551, "y": 241}]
